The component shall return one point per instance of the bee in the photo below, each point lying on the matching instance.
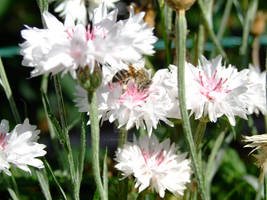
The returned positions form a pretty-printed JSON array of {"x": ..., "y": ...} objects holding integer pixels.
[{"x": 140, "y": 77}]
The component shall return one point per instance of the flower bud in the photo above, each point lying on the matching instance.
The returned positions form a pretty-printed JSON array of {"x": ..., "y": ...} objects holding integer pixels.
[
  {"x": 258, "y": 26},
  {"x": 88, "y": 80},
  {"x": 180, "y": 4}
]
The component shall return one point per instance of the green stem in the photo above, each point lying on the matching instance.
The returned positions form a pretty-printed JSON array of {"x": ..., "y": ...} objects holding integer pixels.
[
  {"x": 210, "y": 30},
  {"x": 223, "y": 23},
  {"x": 265, "y": 117},
  {"x": 265, "y": 187},
  {"x": 200, "y": 131},
  {"x": 165, "y": 38},
  {"x": 200, "y": 43},
  {"x": 82, "y": 149},
  {"x": 181, "y": 31},
  {"x": 94, "y": 124},
  {"x": 123, "y": 134},
  {"x": 248, "y": 22},
  {"x": 66, "y": 135},
  {"x": 6, "y": 86},
  {"x": 15, "y": 185}
]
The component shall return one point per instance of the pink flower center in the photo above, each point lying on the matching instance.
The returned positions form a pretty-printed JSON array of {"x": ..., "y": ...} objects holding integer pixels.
[
  {"x": 3, "y": 140},
  {"x": 159, "y": 158},
  {"x": 131, "y": 93},
  {"x": 89, "y": 34},
  {"x": 211, "y": 85}
]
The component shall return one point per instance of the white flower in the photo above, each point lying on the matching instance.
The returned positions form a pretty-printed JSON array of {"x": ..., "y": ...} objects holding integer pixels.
[
  {"x": 95, "y": 3},
  {"x": 154, "y": 164},
  {"x": 20, "y": 147},
  {"x": 258, "y": 142},
  {"x": 74, "y": 8},
  {"x": 214, "y": 90},
  {"x": 65, "y": 47},
  {"x": 78, "y": 10},
  {"x": 256, "y": 93},
  {"x": 130, "y": 105}
]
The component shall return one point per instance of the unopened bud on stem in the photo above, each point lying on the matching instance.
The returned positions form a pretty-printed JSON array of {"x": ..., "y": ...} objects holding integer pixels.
[
  {"x": 89, "y": 81},
  {"x": 180, "y": 4}
]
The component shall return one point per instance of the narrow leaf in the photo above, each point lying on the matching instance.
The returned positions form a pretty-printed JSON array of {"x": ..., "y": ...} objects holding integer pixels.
[
  {"x": 55, "y": 179},
  {"x": 53, "y": 119},
  {"x": 12, "y": 194},
  {"x": 43, "y": 181}
]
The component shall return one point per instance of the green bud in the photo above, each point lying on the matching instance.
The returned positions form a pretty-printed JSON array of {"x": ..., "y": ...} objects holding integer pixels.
[{"x": 89, "y": 81}]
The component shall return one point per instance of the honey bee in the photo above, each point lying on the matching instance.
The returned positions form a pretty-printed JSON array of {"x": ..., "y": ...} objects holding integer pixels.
[{"x": 140, "y": 77}]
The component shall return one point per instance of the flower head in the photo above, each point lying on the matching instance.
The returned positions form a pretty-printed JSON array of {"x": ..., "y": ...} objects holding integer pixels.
[
  {"x": 135, "y": 100},
  {"x": 154, "y": 164},
  {"x": 66, "y": 47},
  {"x": 20, "y": 147},
  {"x": 255, "y": 97},
  {"x": 215, "y": 90},
  {"x": 258, "y": 142},
  {"x": 74, "y": 8},
  {"x": 78, "y": 9}
]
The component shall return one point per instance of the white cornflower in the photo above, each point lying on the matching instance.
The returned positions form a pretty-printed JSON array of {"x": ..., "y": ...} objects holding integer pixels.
[
  {"x": 215, "y": 90},
  {"x": 154, "y": 164},
  {"x": 74, "y": 8},
  {"x": 133, "y": 102},
  {"x": 65, "y": 47},
  {"x": 258, "y": 142},
  {"x": 95, "y": 3},
  {"x": 78, "y": 9},
  {"x": 20, "y": 147},
  {"x": 256, "y": 93}
]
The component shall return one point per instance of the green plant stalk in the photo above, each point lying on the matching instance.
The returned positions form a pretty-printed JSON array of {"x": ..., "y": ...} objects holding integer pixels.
[
  {"x": 94, "y": 125},
  {"x": 248, "y": 22},
  {"x": 223, "y": 23},
  {"x": 265, "y": 187},
  {"x": 200, "y": 43},
  {"x": 82, "y": 149},
  {"x": 165, "y": 38},
  {"x": 8, "y": 92},
  {"x": 200, "y": 131},
  {"x": 210, "y": 30},
  {"x": 123, "y": 134},
  {"x": 105, "y": 172},
  {"x": 181, "y": 30},
  {"x": 265, "y": 117},
  {"x": 62, "y": 114}
]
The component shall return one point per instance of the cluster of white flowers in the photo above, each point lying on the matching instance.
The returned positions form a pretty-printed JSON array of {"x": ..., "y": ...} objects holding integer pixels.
[
  {"x": 66, "y": 47},
  {"x": 20, "y": 147},
  {"x": 128, "y": 93},
  {"x": 129, "y": 105}
]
